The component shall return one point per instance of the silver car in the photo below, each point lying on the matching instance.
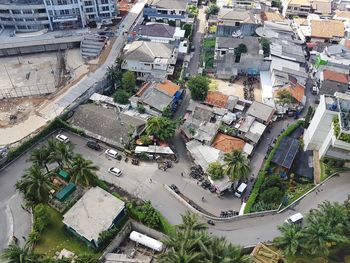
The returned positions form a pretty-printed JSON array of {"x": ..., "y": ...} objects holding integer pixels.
[{"x": 115, "y": 171}]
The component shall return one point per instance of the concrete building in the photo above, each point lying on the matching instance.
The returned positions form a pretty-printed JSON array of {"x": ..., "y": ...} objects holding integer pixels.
[
  {"x": 35, "y": 15},
  {"x": 150, "y": 60},
  {"x": 329, "y": 130},
  {"x": 92, "y": 214}
]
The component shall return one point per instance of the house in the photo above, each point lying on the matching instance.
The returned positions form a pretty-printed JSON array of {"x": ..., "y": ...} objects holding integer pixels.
[
  {"x": 150, "y": 60},
  {"x": 220, "y": 100},
  {"x": 250, "y": 129},
  {"x": 326, "y": 30},
  {"x": 286, "y": 152},
  {"x": 323, "y": 8},
  {"x": 229, "y": 64},
  {"x": 287, "y": 50},
  {"x": 96, "y": 211},
  {"x": 328, "y": 133},
  {"x": 236, "y": 22},
  {"x": 158, "y": 32},
  {"x": 226, "y": 144},
  {"x": 261, "y": 112},
  {"x": 107, "y": 124},
  {"x": 332, "y": 81},
  {"x": 274, "y": 17},
  {"x": 300, "y": 8},
  {"x": 296, "y": 90},
  {"x": 166, "y": 11},
  {"x": 157, "y": 96}
]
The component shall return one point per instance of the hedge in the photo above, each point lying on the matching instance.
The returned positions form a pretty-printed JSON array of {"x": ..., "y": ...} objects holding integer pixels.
[
  {"x": 57, "y": 123},
  {"x": 262, "y": 174}
]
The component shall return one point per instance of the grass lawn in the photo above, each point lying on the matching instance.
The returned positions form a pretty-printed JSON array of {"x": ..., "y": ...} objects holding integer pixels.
[
  {"x": 55, "y": 238},
  {"x": 213, "y": 85},
  {"x": 209, "y": 59},
  {"x": 209, "y": 42}
]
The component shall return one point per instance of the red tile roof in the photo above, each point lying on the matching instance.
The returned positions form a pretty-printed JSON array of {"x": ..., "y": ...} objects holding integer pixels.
[
  {"x": 335, "y": 76},
  {"x": 297, "y": 91},
  {"x": 217, "y": 99},
  {"x": 168, "y": 87},
  {"x": 227, "y": 143}
]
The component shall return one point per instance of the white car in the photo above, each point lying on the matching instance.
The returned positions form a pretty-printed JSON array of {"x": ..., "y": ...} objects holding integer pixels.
[
  {"x": 62, "y": 138},
  {"x": 294, "y": 219},
  {"x": 111, "y": 153},
  {"x": 115, "y": 171}
]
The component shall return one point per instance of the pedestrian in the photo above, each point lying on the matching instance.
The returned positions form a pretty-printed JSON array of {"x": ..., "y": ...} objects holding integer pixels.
[
  {"x": 182, "y": 174},
  {"x": 202, "y": 198},
  {"x": 150, "y": 180},
  {"x": 24, "y": 238}
]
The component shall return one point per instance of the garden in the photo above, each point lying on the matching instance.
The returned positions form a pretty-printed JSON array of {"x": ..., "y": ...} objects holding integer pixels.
[
  {"x": 208, "y": 52},
  {"x": 274, "y": 187}
]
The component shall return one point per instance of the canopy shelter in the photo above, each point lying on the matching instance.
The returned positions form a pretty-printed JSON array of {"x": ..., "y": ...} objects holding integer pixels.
[{"x": 286, "y": 152}]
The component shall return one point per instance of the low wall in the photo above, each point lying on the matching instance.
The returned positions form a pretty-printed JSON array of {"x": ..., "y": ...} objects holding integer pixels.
[{"x": 147, "y": 230}]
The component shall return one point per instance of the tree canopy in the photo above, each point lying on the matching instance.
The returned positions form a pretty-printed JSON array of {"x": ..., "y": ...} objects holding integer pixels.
[
  {"x": 121, "y": 96},
  {"x": 236, "y": 165},
  {"x": 215, "y": 170},
  {"x": 129, "y": 81},
  {"x": 161, "y": 127},
  {"x": 199, "y": 86}
]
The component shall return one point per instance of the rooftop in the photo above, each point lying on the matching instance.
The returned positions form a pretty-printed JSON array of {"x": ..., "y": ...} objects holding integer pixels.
[
  {"x": 215, "y": 98},
  {"x": 148, "y": 51},
  {"x": 93, "y": 213},
  {"x": 321, "y": 7},
  {"x": 155, "y": 30},
  {"x": 335, "y": 76},
  {"x": 299, "y": 2},
  {"x": 226, "y": 143},
  {"x": 252, "y": 43},
  {"x": 261, "y": 111},
  {"x": 286, "y": 152},
  {"x": 327, "y": 28},
  {"x": 297, "y": 91},
  {"x": 287, "y": 50},
  {"x": 168, "y": 87},
  {"x": 203, "y": 154},
  {"x": 255, "y": 131},
  {"x": 272, "y": 17},
  {"x": 341, "y": 15},
  {"x": 229, "y": 15},
  {"x": 169, "y": 4}
]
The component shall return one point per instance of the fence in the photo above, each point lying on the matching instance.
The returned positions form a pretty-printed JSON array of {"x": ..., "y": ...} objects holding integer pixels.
[{"x": 38, "y": 89}]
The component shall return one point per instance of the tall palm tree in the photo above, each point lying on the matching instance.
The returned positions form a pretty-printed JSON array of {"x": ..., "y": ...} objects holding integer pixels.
[
  {"x": 61, "y": 153},
  {"x": 335, "y": 215},
  {"x": 181, "y": 255},
  {"x": 83, "y": 171},
  {"x": 236, "y": 165},
  {"x": 35, "y": 185},
  {"x": 40, "y": 156},
  {"x": 291, "y": 238},
  {"x": 218, "y": 250},
  {"x": 319, "y": 237},
  {"x": 190, "y": 222},
  {"x": 16, "y": 254}
]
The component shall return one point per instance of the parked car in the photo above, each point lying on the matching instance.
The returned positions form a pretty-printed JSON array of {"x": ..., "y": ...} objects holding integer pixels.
[
  {"x": 62, "y": 138},
  {"x": 111, "y": 153},
  {"x": 295, "y": 219},
  {"x": 240, "y": 190},
  {"x": 115, "y": 171},
  {"x": 93, "y": 145},
  {"x": 174, "y": 187}
]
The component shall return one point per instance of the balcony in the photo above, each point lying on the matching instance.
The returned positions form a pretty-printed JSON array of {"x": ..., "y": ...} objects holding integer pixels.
[
  {"x": 65, "y": 18},
  {"x": 170, "y": 70}
]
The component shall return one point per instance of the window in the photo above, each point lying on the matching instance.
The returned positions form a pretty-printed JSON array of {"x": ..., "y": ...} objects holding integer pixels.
[
  {"x": 105, "y": 8},
  {"x": 104, "y": 2},
  {"x": 87, "y": 3},
  {"x": 91, "y": 17},
  {"x": 27, "y": 12},
  {"x": 16, "y": 12},
  {"x": 64, "y": 12},
  {"x": 89, "y": 10},
  {"x": 18, "y": 19},
  {"x": 21, "y": 27},
  {"x": 29, "y": 19},
  {"x": 41, "y": 11}
]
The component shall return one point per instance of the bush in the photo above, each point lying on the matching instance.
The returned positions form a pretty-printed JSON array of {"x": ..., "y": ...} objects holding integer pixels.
[
  {"x": 188, "y": 29},
  {"x": 273, "y": 181},
  {"x": 145, "y": 213},
  {"x": 215, "y": 170},
  {"x": 272, "y": 195},
  {"x": 106, "y": 236},
  {"x": 265, "y": 43},
  {"x": 213, "y": 9},
  {"x": 141, "y": 109},
  {"x": 41, "y": 219},
  {"x": 129, "y": 81},
  {"x": 121, "y": 96}
]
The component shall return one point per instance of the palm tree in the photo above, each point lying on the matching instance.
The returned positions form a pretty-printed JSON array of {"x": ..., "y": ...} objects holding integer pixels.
[
  {"x": 16, "y": 254},
  {"x": 218, "y": 250},
  {"x": 82, "y": 171},
  {"x": 335, "y": 215},
  {"x": 190, "y": 222},
  {"x": 236, "y": 165},
  {"x": 40, "y": 156},
  {"x": 320, "y": 236},
  {"x": 291, "y": 238},
  {"x": 181, "y": 255},
  {"x": 35, "y": 185},
  {"x": 61, "y": 153}
]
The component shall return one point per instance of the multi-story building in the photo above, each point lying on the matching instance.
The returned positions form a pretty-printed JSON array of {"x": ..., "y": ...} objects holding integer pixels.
[
  {"x": 329, "y": 129},
  {"x": 150, "y": 60},
  {"x": 35, "y": 15},
  {"x": 296, "y": 8}
]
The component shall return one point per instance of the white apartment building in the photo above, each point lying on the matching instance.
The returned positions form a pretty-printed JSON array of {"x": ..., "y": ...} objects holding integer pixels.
[
  {"x": 35, "y": 15},
  {"x": 329, "y": 130}
]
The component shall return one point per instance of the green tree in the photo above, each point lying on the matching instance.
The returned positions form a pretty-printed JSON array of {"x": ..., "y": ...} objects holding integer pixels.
[
  {"x": 272, "y": 195},
  {"x": 236, "y": 165},
  {"x": 40, "y": 157},
  {"x": 239, "y": 50},
  {"x": 319, "y": 237},
  {"x": 265, "y": 44},
  {"x": 167, "y": 113},
  {"x": 41, "y": 218},
  {"x": 129, "y": 81},
  {"x": 161, "y": 127},
  {"x": 121, "y": 96},
  {"x": 285, "y": 97},
  {"x": 113, "y": 74},
  {"x": 35, "y": 185},
  {"x": 216, "y": 170},
  {"x": 16, "y": 254},
  {"x": 291, "y": 238},
  {"x": 60, "y": 153},
  {"x": 199, "y": 86},
  {"x": 151, "y": 216},
  {"x": 83, "y": 171},
  {"x": 213, "y": 9}
]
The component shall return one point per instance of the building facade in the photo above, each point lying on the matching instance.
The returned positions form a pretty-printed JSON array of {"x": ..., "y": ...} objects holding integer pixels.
[
  {"x": 329, "y": 131},
  {"x": 35, "y": 15}
]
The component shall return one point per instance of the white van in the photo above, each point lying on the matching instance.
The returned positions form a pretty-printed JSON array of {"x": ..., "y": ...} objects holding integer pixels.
[
  {"x": 240, "y": 190},
  {"x": 294, "y": 219},
  {"x": 111, "y": 153}
]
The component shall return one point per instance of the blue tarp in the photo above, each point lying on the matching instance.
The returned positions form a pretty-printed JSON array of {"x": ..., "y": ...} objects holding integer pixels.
[{"x": 66, "y": 191}]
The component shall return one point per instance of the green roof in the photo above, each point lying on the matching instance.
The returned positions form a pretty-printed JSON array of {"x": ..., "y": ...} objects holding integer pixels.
[
  {"x": 66, "y": 191},
  {"x": 63, "y": 174}
]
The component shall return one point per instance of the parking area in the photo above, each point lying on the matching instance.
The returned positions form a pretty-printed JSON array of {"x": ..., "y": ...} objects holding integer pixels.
[
  {"x": 237, "y": 88},
  {"x": 146, "y": 181}
]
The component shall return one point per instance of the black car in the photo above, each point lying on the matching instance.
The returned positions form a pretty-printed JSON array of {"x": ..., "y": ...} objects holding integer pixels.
[
  {"x": 174, "y": 187},
  {"x": 93, "y": 145}
]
